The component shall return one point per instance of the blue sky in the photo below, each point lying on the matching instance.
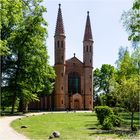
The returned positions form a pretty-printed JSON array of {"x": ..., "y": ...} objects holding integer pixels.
[{"x": 107, "y": 30}]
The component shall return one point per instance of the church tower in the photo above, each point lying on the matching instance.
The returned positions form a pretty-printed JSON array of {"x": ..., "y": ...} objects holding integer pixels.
[
  {"x": 88, "y": 65},
  {"x": 59, "y": 43}
]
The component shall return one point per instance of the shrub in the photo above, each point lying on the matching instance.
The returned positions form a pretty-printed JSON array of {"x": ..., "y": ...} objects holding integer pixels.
[
  {"x": 107, "y": 118},
  {"x": 116, "y": 120},
  {"x": 102, "y": 112},
  {"x": 108, "y": 123}
]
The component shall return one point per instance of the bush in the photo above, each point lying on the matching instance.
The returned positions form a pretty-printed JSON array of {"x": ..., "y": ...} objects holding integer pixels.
[
  {"x": 108, "y": 123},
  {"x": 103, "y": 112},
  {"x": 107, "y": 118},
  {"x": 116, "y": 120},
  {"x": 111, "y": 121}
]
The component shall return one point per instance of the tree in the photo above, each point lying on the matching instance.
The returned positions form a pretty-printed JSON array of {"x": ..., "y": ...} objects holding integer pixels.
[
  {"x": 126, "y": 67},
  {"x": 128, "y": 90},
  {"x": 101, "y": 85},
  {"x": 126, "y": 87},
  {"x": 29, "y": 72},
  {"x": 131, "y": 21},
  {"x": 11, "y": 16},
  {"x": 102, "y": 77}
]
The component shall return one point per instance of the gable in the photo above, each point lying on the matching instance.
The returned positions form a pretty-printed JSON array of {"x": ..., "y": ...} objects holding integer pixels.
[{"x": 75, "y": 61}]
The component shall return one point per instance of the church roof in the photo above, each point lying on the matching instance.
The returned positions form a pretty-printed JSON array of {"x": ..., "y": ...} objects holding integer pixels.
[
  {"x": 74, "y": 60},
  {"x": 88, "y": 32},
  {"x": 59, "y": 30}
]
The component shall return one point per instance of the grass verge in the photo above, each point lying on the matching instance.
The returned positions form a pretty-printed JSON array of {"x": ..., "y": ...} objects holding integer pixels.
[{"x": 72, "y": 126}]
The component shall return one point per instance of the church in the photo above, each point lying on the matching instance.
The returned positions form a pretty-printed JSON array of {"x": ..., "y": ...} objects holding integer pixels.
[{"x": 73, "y": 84}]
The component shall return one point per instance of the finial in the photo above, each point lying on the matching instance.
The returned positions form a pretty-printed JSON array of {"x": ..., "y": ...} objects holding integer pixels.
[
  {"x": 59, "y": 5},
  {"x": 87, "y": 12},
  {"x": 74, "y": 54}
]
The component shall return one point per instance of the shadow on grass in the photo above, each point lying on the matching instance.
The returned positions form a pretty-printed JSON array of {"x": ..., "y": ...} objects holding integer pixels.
[
  {"x": 127, "y": 116},
  {"x": 120, "y": 133},
  {"x": 124, "y": 131},
  {"x": 9, "y": 114},
  {"x": 91, "y": 126}
]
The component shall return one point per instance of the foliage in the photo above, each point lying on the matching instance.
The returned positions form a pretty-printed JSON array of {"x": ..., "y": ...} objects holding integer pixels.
[
  {"x": 102, "y": 78},
  {"x": 116, "y": 120},
  {"x": 26, "y": 69},
  {"x": 102, "y": 112},
  {"x": 108, "y": 124},
  {"x": 126, "y": 88},
  {"x": 107, "y": 118},
  {"x": 122, "y": 87},
  {"x": 131, "y": 21},
  {"x": 111, "y": 121},
  {"x": 11, "y": 15},
  {"x": 117, "y": 110}
]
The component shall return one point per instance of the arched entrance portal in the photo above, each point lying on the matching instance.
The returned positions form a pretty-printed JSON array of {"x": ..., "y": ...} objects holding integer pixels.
[{"x": 76, "y": 104}]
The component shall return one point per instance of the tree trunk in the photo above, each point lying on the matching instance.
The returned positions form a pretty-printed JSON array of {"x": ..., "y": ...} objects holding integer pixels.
[
  {"x": 23, "y": 106},
  {"x": 25, "y": 110},
  {"x": 13, "y": 103},
  {"x": 20, "y": 108},
  {"x": 132, "y": 118}
]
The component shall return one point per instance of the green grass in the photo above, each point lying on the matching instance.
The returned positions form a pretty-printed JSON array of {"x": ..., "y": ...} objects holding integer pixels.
[
  {"x": 72, "y": 126},
  {"x": 127, "y": 119}
]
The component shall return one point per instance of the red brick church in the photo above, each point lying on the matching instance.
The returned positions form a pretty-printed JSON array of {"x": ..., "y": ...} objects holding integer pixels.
[{"x": 73, "y": 84}]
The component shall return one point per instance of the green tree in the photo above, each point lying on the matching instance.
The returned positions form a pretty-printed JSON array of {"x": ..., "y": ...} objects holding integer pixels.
[
  {"x": 11, "y": 16},
  {"x": 29, "y": 73},
  {"x": 126, "y": 87},
  {"x": 131, "y": 21},
  {"x": 102, "y": 78},
  {"x": 128, "y": 90},
  {"x": 126, "y": 67},
  {"x": 129, "y": 87},
  {"x": 101, "y": 85}
]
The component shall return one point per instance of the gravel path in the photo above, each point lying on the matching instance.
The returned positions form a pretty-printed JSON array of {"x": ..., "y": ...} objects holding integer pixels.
[{"x": 6, "y": 132}]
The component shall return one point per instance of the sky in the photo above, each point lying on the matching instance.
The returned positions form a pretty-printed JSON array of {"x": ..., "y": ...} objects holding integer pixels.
[{"x": 107, "y": 28}]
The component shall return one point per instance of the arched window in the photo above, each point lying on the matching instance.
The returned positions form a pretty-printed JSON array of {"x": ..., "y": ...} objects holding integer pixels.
[{"x": 73, "y": 83}]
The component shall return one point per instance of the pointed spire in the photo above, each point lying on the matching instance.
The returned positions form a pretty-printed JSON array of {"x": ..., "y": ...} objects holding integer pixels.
[
  {"x": 59, "y": 30},
  {"x": 88, "y": 32}
]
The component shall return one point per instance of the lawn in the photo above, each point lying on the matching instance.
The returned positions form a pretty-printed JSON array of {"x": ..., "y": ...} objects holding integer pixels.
[{"x": 72, "y": 126}]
